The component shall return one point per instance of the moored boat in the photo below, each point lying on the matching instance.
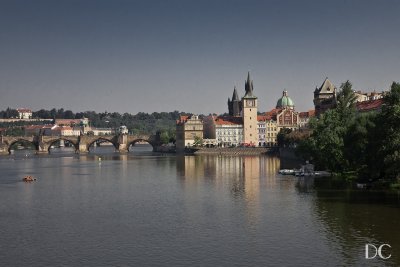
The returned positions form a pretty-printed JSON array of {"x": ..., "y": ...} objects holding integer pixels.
[{"x": 287, "y": 171}]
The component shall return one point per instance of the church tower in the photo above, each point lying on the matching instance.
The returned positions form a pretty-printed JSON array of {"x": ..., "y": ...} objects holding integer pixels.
[
  {"x": 234, "y": 105},
  {"x": 249, "y": 109},
  {"x": 324, "y": 97}
]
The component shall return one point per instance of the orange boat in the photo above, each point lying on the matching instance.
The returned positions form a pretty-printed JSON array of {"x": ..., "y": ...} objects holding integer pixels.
[{"x": 28, "y": 178}]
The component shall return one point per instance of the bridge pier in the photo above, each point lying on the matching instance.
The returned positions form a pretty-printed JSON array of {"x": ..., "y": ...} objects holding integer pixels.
[
  {"x": 82, "y": 148},
  {"x": 4, "y": 150},
  {"x": 123, "y": 143},
  {"x": 41, "y": 146}
]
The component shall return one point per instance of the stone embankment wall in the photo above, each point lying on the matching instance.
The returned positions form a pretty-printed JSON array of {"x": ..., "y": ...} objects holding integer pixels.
[{"x": 234, "y": 151}]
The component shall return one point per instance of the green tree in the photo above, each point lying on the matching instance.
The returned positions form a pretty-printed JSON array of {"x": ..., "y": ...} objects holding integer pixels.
[
  {"x": 164, "y": 136},
  {"x": 282, "y": 137},
  {"x": 327, "y": 145},
  {"x": 385, "y": 140},
  {"x": 198, "y": 141},
  {"x": 356, "y": 140},
  {"x": 328, "y": 150},
  {"x": 346, "y": 102}
]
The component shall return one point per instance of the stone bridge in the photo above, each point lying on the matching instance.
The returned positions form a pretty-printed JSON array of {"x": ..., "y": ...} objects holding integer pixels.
[{"x": 81, "y": 143}]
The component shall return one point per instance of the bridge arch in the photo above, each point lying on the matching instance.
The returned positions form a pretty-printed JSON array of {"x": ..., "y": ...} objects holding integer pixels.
[
  {"x": 53, "y": 141},
  {"x": 102, "y": 139},
  {"x": 133, "y": 142},
  {"x": 22, "y": 141}
]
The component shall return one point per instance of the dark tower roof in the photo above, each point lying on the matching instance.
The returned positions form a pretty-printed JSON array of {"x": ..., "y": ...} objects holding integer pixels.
[
  {"x": 235, "y": 94},
  {"x": 248, "y": 86}
]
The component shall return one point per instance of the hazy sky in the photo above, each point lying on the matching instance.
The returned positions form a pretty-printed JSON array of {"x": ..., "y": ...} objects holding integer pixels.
[{"x": 131, "y": 56}]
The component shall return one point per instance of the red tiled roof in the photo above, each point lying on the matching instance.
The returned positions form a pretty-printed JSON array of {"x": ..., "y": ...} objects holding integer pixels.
[
  {"x": 182, "y": 119},
  {"x": 273, "y": 112},
  {"x": 24, "y": 110},
  {"x": 369, "y": 105},
  {"x": 228, "y": 120},
  {"x": 305, "y": 114},
  {"x": 264, "y": 117}
]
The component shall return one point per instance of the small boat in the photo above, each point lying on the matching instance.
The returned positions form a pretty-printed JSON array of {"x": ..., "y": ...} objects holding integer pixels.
[
  {"x": 28, "y": 178},
  {"x": 286, "y": 172}
]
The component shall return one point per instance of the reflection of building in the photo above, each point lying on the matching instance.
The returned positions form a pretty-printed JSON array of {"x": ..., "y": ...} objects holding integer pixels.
[
  {"x": 24, "y": 113},
  {"x": 251, "y": 175},
  {"x": 192, "y": 168},
  {"x": 324, "y": 97},
  {"x": 188, "y": 129}
]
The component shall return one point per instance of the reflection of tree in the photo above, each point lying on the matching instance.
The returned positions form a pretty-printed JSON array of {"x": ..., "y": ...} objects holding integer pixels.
[{"x": 354, "y": 218}]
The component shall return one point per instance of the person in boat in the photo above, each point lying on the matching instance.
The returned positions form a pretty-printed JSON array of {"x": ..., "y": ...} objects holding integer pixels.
[{"x": 29, "y": 178}]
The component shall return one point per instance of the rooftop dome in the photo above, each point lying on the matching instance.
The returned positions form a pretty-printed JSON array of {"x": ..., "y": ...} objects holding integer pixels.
[{"x": 285, "y": 101}]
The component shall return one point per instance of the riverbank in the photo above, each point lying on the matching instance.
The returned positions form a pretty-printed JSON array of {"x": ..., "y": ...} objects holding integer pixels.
[{"x": 233, "y": 151}]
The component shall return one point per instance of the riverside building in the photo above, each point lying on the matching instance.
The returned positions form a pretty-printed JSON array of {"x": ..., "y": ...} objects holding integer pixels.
[
  {"x": 244, "y": 126},
  {"x": 189, "y": 129}
]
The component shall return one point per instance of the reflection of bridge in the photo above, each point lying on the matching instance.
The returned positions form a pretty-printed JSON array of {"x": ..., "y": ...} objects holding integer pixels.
[{"x": 81, "y": 143}]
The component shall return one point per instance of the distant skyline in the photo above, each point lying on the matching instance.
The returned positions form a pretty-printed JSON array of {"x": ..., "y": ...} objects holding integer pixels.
[{"x": 132, "y": 56}]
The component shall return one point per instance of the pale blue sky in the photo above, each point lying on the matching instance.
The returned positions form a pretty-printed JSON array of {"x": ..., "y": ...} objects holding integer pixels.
[{"x": 131, "y": 56}]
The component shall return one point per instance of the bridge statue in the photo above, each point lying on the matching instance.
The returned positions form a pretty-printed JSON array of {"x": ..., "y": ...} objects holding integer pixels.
[{"x": 42, "y": 144}]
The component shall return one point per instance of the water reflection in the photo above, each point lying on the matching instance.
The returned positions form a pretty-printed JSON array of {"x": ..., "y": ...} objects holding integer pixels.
[
  {"x": 346, "y": 219},
  {"x": 352, "y": 218},
  {"x": 242, "y": 175},
  {"x": 154, "y": 210}
]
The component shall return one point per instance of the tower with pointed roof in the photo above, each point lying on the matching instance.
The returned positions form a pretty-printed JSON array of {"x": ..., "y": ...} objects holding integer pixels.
[
  {"x": 324, "y": 97},
  {"x": 249, "y": 113},
  {"x": 234, "y": 105}
]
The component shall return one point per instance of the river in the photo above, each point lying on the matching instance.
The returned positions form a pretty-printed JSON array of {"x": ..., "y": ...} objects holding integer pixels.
[{"x": 146, "y": 209}]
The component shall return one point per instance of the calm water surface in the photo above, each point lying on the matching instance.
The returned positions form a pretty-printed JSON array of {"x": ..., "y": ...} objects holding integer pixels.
[{"x": 145, "y": 209}]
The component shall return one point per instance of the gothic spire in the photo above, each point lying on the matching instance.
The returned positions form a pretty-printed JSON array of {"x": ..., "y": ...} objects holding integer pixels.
[
  {"x": 235, "y": 94},
  {"x": 248, "y": 86}
]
